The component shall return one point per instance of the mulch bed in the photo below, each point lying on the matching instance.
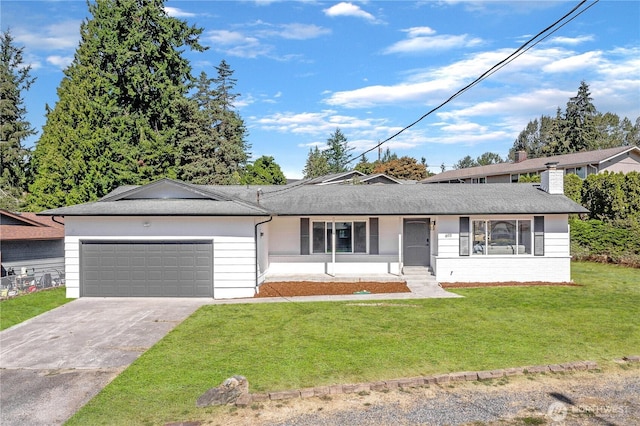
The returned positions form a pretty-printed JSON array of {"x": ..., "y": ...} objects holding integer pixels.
[
  {"x": 507, "y": 284},
  {"x": 311, "y": 288}
]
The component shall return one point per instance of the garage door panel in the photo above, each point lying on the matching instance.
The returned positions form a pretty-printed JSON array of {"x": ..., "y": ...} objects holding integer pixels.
[{"x": 147, "y": 269}]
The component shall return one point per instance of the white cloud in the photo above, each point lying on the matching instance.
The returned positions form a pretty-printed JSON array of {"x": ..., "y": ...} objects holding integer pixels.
[
  {"x": 236, "y": 43},
  {"x": 439, "y": 42},
  {"x": 421, "y": 39},
  {"x": 60, "y": 61},
  {"x": 572, "y": 41},
  {"x": 249, "y": 43},
  {"x": 574, "y": 62},
  {"x": 61, "y": 36},
  {"x": 302, "y": 31},
  {"x": 386, "y": 95},
  {"x": 349, "y": 9},
  {"x": 178, "y": 13},
  {"x": 419, "y": 31},
  {"x": 526, "y": 103},
  {"x": 314, "y": 123},
  {"x": 431, "y": 86}
]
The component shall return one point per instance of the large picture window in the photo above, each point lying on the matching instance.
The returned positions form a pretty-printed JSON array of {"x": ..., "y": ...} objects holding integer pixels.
[
  {"x": 351, "y": 237},
  {"x": 501, "y": 237}
]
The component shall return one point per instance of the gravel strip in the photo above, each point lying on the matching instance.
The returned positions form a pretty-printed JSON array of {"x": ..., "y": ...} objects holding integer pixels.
[{"x": 600, "y": 399}]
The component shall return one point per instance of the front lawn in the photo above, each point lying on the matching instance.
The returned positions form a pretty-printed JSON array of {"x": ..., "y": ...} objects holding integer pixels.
[
  {"x": 295, "y": 345},
  {"x": 18, "y": 309}
]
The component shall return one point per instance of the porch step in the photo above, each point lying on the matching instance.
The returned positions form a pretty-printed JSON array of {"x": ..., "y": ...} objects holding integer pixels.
[{"x": 415, "y": 271}]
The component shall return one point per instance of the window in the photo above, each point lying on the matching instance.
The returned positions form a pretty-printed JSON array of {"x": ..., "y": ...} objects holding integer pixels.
[
  {"x": 479, "y": 180},
  {"x": 351, "y": 237},
  {"x": 501, "y": 237}
]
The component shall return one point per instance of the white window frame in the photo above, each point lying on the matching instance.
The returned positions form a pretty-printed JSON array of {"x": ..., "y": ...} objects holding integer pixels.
[
  {"x": 481, "y": 248},
  {"x": 328, "y": 231}
]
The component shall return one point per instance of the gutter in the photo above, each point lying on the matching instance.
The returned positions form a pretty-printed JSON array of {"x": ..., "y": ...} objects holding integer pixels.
[
  {"x": 255, "y": 239},
  {"x": 53, "y": 218}
]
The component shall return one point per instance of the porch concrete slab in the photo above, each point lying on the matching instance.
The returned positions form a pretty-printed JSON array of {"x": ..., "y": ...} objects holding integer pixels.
[{"x": 335, "y": 278}]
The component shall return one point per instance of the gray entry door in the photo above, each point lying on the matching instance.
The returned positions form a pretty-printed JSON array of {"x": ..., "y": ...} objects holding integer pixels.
[
  {"x": 416, "y": 242},
  {"x": 146, "y": 269}
]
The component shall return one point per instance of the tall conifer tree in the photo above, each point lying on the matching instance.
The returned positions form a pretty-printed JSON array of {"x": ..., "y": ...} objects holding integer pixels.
[
  {"x": 14, "y": 128},
  {"x": 120, "y": 106},
  {"x": 216, "y": 151}
]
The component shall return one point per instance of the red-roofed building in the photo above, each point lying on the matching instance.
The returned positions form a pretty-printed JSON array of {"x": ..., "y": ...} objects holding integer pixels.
[{"x": 30, "y": 241}]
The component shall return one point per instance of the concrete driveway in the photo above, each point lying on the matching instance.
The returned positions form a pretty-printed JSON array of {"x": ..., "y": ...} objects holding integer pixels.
[{"x": 53, "y": 364}]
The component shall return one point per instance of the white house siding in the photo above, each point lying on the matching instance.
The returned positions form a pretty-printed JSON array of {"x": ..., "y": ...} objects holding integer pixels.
[
  {"x": 285, "y": 257},
  {"x": 503, "y": 269},
  {"x": 233, "y": 244},
  {"x": 554, "y": 266}
]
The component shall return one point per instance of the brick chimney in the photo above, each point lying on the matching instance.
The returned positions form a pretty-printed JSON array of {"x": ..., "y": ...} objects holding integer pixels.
[
  {"x": 552, "y": 179},
  {"x": 520, "y": 156}
]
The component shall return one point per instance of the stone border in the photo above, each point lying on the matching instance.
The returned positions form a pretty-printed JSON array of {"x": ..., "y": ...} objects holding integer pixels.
[{"x": 413, "y": 382}]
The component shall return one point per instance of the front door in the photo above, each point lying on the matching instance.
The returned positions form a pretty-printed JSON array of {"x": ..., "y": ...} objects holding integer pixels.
[{"x": 416, "y": 242}]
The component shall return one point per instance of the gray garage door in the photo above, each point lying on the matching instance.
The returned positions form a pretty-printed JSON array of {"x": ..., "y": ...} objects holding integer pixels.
[{"x": 147, "y": 269}]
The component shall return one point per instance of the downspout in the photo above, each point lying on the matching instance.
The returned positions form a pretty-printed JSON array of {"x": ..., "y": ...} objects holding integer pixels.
[
  {"x": 53, "y": 218},
  {"x": 255, "y": 238}
]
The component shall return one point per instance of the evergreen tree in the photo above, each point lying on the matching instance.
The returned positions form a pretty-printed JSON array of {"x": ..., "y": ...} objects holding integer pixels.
[
  {"x": 465, "y": 163},
  {"x": 264, "y": 171},
  {"x": 214, "y": 151},
  {"x": 489, "y": 158},
  {"x": 232, "y": 149},
  {"x": 338, "y": 152},
  {"x": 388, "y": 156},
  {"x": 557, "y": 142},
  {"x": 533, "y": 138},
  {"x": 14, "y": 128},
  {"x": 579, "y": 126},
  {"x": 316, "y": 165},
  {"x": 364, "y": 166},
  {"x": 118, "y": 116}
]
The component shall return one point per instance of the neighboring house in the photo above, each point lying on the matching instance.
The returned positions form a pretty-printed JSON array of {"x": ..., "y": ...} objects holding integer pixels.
[
  {"x": 353, "y": 177},
  {"x": 30, "y": 242},
  {"x": 621, "y": 159},
  {"x": 169, "y": 238}
]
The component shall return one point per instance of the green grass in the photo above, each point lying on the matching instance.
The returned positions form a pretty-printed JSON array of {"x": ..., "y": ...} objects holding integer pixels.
[
  {"x": 294, "y": 345},
  {"x": 21, "y": 308}
]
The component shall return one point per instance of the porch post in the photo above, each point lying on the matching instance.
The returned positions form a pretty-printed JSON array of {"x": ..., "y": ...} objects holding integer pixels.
[
  {"x": 333, "y": 248},
  {"x": 400, "y": 254}
]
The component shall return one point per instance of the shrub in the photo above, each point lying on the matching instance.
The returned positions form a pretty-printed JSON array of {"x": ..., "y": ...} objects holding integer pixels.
[{"x": 609, "y": 242}]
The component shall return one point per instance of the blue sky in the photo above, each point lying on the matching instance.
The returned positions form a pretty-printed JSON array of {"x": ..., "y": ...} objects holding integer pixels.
[{"x": 370, "y": 68}]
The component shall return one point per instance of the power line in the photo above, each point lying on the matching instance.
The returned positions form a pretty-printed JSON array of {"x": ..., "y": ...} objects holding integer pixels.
[{"x": 519, "y": 51}]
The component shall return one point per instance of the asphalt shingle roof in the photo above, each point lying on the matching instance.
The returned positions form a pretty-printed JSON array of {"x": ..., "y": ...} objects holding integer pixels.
[
  {"x": 300, "y": 199},
  {"x": 28, "y": 226},
  {"x": 530, "y": 165}
]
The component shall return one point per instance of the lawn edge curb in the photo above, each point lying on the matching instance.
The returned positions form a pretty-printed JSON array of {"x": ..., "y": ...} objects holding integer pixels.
[{"x": 413, "y": 382}]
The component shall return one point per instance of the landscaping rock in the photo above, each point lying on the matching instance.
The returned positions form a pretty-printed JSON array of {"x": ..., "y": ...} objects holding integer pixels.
[
  {"x": 227, "y": 393},
  {"x": 291, "y": 394}
]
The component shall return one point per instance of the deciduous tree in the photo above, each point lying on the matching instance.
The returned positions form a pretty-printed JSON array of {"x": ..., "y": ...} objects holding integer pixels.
[
  {"x": 406, "y": 168},
  {"x": 263, "y": 171}
]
